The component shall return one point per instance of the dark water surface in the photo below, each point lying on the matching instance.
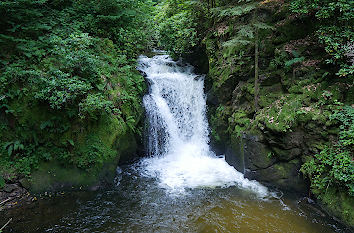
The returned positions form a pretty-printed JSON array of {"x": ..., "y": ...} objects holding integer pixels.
[{"x": 140, "y": 204}]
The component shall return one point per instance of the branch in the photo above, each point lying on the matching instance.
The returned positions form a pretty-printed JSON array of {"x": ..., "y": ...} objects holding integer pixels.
[
  {"x": 8, "y": 199},
  {"x": 2, "y": 228}
]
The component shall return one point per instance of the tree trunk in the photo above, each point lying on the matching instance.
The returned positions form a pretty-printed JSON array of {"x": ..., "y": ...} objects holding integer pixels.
[{"x": 256, "y": 75}]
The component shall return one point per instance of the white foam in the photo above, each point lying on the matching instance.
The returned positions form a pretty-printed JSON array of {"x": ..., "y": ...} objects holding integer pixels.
[{"x": 180, "y": 156}]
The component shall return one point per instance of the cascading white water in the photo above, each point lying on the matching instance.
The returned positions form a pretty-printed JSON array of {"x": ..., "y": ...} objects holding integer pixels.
[{"x": 180, "y": 156}]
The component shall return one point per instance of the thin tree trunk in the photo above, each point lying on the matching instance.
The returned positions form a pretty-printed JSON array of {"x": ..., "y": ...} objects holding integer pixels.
[{"x": 256, "y": 75}]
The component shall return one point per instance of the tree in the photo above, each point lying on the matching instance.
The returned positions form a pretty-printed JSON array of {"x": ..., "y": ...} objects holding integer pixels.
[{"x": 248, "y": 35}]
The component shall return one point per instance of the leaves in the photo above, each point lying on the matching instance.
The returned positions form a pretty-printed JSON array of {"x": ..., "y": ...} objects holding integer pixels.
[
  {"x": 293, "y": 61},
  {"x": 226, "y": 11},
  {"x": 334, "y": 164},
  {"x": 178, "y": 33},
  {"x": 13, "y": 147},
  {"x": 2, "y": 182},
  {"x": 62, "y": 62},
  {"x": 335, "y": 29}
]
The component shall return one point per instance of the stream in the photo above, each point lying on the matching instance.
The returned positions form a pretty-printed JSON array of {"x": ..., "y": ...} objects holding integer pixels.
[{"x": 181, "y": 185}]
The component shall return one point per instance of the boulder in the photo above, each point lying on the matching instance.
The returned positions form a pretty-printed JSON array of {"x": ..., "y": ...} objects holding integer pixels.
[
  {"x": 257, "y": 155},
  {"x": 283, "y": 175},
  {"x": 271, "y": 165}
]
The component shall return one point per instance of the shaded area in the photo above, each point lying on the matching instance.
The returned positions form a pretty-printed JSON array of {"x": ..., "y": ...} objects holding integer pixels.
[{"x": 138, "y": 204}]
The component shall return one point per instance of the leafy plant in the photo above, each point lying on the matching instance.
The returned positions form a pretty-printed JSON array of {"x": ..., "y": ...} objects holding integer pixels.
[
  {"x": 177, "y": 33},
  {"x": 335, "y": 30},
  {"x": 2, "y": 182},
  {"x": 13, "y": 147},
  {"x": 64, "y": 66},
  {"x": 334, "y": 164}
]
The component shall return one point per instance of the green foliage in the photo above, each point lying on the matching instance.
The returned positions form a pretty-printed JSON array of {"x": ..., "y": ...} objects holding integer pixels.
[
  {"x": 13, "y": 147},
  {"x": 179, "y": 23},
  {"x": 244, "y": 34},
  {"x": 64, "y": 66},
  {"x": 94, "y": 105},
  {"x": 2, "y": 182},
  {"x": 238, "y": 123},
  {"x": 223, "y": 12},
  {"x": 335, "y": 29},
  {"x": 345, "y": 116},
  {"x": 178, "y": 33},
  {"x": 334, "y": 165},
  {"x": 331, "y": 167},
  {"x": 293, "y": 61}
]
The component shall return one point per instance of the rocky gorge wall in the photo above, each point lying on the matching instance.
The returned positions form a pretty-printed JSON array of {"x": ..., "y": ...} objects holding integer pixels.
[{"x": 298, "y": 93}]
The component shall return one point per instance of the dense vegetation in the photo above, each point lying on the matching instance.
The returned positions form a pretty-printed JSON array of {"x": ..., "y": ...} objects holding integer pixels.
[
  {"x": 279, "y": 68},
  {"x": 69, "y": 91},
  {"x": 68, "y": 85}
]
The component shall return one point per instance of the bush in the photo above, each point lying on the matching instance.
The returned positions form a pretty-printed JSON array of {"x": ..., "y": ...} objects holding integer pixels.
[
  {"x": 334, "y": 165},
  {"x": 65, "y": 65},
  {"x": 335, "y": 30}
]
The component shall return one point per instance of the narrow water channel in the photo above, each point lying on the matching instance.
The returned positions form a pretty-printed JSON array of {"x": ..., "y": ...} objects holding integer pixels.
[{"x": 181, "y": 186}]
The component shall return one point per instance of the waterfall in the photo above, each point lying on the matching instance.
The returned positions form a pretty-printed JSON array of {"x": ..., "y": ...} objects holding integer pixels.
[{"x": 177, "y": 145}]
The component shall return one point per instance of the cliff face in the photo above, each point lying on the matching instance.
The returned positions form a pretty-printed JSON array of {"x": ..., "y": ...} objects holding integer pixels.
[{"x": 276, "y": 127}]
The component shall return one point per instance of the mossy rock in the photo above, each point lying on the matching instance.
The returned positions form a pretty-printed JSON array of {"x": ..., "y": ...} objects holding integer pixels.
[
  {"x": 234, "y": 154},
  {"x": 256, "y": 153},
  {"x": 339, "y": 204},
  {"x": 286, "y": 155},
  {"x": 284, "y": 175},
  {"x": 52, "y": 176},
  {"x": 99, "y": 150}
]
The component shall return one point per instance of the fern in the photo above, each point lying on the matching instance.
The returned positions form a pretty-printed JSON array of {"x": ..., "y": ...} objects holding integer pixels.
[
  {"x": 236, "y": 41},
  {"x": 294, "y": 61},
  {"x": 246, "y": 31},
  {"x": 263, "y": 26},
  {"x": 221, "y": 12}
]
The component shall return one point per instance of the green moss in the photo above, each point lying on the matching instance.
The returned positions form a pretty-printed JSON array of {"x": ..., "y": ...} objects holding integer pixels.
[
  {"x": 98, "y": 153},
  {"x": 284, "y": 170},
  {"x": 269, "y": 95},
  {"x": 97, "y": 143},
  {"x": 339, "y": 204},
  {"x": 238, "y": 123},
  {"x": 2, "y": 182},
  {"x": 282, "y": 114}
]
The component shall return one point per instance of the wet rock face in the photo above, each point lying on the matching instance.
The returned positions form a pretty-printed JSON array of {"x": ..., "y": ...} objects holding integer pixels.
[
  {"x": 269, "y": 164},
  {"x": 257, "y": 155}
]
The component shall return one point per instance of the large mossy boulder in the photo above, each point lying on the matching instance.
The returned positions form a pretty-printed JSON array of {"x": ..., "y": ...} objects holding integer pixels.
[
  {"x": 99, "y": 151},
  {"x": 252, "y": 156},
  {"x": 52, "y": 177},
  {"x": 339, "y": 204}
]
